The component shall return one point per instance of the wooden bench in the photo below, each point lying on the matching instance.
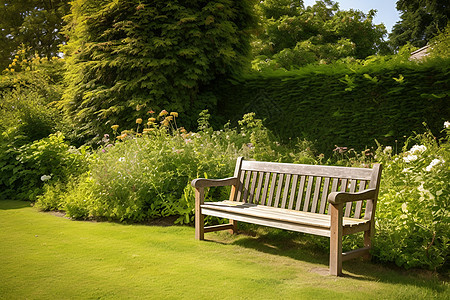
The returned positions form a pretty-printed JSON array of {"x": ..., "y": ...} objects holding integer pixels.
[{"x": 321, "y": 200}]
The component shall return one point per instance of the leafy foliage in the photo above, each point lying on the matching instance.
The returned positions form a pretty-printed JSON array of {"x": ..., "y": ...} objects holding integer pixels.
[
  {"x": 421, "y": 20},
  {"x": 35, "y": 23},
  {"x": 346, "y": 104},
  {"x": 413, "y": 218},
  {"x": 149, "y": 54},
  {"x": 293, "y": 36}
]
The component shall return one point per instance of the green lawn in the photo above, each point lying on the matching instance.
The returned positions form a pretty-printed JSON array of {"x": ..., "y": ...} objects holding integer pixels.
[{"x": 48, "y": 257}]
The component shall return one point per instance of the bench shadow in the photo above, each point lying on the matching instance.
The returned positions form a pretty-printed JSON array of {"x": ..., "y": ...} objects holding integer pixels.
[
  {"x": 13, "y": 204},
  {"x": 300, "y": 247}
]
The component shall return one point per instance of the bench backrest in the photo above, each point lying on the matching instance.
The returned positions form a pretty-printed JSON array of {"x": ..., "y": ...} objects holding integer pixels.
[{"x": 303, "y": 187}]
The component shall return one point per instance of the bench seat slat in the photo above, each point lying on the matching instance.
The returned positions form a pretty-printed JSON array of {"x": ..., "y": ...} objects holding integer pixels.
[{"x": 279, "y": 214}]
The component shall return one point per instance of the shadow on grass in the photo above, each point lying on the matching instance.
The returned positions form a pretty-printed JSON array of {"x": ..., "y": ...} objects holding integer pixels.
[
  {"x": 13, "y": 204},
  {"x": 302, "y": 247}
]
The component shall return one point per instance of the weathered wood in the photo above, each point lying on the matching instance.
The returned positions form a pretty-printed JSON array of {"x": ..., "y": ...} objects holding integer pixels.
[
  {"x": 293, "y": 189},
  {"x": 323, "y": 200},
  {"x": 237, "y": 171},
  {"x": 359, "y": 204},
  {"x": 348, "y": 206},
  {"x": 199, "y": 219},
  {"x": 266, "y": 188},
  {"x": 258, "y": 190},
  {"x": 309, "y": 170},
  {"x": 280, "y": 186},
  {"x": 263, "y": 193},
  {"x": 308, "y": 193},
  {"x": 316, "y": 194},
  {"x": 246, "y": 185},
  {"x": 336, "y": 240},
  {"x": 286, "y": 190},
  {"x": 300, "y": 192},
  {"x": 355, "y": 253},
  {"x": 272, "y": 189},
  {"x": 218, "y": 227},
  {"x": 253, "y": 187}
]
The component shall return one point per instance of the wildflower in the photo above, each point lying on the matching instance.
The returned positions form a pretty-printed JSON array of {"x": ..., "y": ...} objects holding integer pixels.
[
  {"x": 151, "y": 119},
  {"x": 340, "y": 149},
  {"x": 174, "y": 113},
  {"x": 433, "y": 163},
  {"x": 446, "y": 124},
  {"x": 46, "y": 177},
  {"x": 147, "y": 130},
  {"x": 122, "y": 136},
  {"x": 121, "y": 159},
  {"x": 138, "y": 121},
  {"x": 165, "y": 122},
  {"x": 150, "y": 112},
  {"x": 163, "y": 113},
  {"x": 387, "y": 150},
  {"x": 169, "y": 118},
  {"x": 417, "y": 148},
  {"x": 12, "y": 70},
  {"x": 114, "y": 127},
  {"x": 182, "y": 130},
  {"x": 410, "y": 158}
]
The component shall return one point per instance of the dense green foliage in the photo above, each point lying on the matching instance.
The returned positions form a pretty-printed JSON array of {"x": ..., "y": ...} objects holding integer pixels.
[
  {"x": 292, "y": 36},
  {"x": 344, "y": 105},
  {"x": 35, "y": 23},
  {"x": 124, "y": 55},
  {"x": 413, "y": 217},
  {"x": 421, "y": 20}
]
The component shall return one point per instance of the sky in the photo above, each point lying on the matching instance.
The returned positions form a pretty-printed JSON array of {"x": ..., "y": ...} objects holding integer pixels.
[{"x": 386, "y": 11}]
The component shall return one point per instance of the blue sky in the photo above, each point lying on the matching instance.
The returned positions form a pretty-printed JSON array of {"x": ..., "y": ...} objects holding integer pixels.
[{"x": 386, "y": 11}]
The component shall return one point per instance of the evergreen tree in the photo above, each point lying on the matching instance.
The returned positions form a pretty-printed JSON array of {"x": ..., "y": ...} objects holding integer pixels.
[
  {"x": 130, "y": 56},
  {"x": 421, "y": 20}
]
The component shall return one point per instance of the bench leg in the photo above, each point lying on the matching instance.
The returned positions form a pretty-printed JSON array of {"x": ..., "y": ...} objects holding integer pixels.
[
  {"x": 199, "y": 218},
  {"x": 234, "y": 229},
  {"x": 368, "y": 242},
  {"x": 336, "y": 240}
]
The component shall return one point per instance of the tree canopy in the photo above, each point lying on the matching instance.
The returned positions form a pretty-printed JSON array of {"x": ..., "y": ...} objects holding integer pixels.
[
  {"x": 127, "y": 56},
  {"x": 35, "y": 23},
  {"x": 421, "y": 20},
  {"x": 295, "y": 36}
]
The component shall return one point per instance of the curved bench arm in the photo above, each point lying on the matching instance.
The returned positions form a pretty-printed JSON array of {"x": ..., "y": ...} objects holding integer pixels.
[
  {"x": 342, "y": 197},
  {"x": 203, "y": 182}
]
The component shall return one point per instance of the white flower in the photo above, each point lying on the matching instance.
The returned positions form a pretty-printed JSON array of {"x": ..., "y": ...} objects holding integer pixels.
[
  {"x": 387, "y": 150},
  {"x": 417, "y": 148},
  {"x": 410, "y": 158},
  {"x": 446, "y": 124},
  {"x": 46, "y": 177},
  {"x": 122, "y": 159},
  {"x": 434, "y": 162}
]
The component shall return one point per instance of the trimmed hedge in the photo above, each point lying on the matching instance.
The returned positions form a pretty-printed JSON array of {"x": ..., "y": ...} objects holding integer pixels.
[{"x": 344, "y": 105}]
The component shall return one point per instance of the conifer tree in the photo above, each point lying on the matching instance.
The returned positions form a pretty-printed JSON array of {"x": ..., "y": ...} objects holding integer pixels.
[{"x": 125, "y": 57}]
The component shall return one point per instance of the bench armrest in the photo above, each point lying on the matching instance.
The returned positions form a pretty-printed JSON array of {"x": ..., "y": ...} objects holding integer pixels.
[
  {"x": 203, "y": 182},
  {"x": 342, "y": 197}
]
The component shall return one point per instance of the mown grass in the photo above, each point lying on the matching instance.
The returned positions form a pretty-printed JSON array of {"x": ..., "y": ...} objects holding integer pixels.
[{"x": 49, "y": 257}]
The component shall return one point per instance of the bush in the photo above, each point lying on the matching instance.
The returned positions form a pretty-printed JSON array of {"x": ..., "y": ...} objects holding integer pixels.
[
  {"x": 146, "y": 174},
  {"x": 413, "y": 218}
]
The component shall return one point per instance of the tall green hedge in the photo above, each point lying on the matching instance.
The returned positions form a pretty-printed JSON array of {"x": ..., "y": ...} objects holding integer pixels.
[{"x": 341, "y": 104}]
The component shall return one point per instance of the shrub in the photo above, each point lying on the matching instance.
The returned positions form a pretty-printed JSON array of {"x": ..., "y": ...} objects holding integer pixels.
[{"x": 413, "y": 218}]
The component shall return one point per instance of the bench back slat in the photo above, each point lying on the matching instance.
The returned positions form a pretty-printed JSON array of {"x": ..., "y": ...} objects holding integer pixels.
[{"x": 302, "y": 187}]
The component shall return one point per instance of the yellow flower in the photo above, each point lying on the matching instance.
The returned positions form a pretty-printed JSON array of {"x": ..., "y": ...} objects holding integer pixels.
[
  {"x": 165, "y": 122},
  {"x": 169, "y": 118},
  {"x": 114, "y": 127},
  {"x": 138, "y": 121},
  {"x": 151, "y": 120},
  {"x": 12, "y": 70},
  {"x": 163, "y": 113},
  {"x": 121, "y": 137},
  {"x": 138, "y": 134},
  {"x": 182, "y": 130},
  {"x": 147, "y": 130},
  {"x": 174, "y": 113}
]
